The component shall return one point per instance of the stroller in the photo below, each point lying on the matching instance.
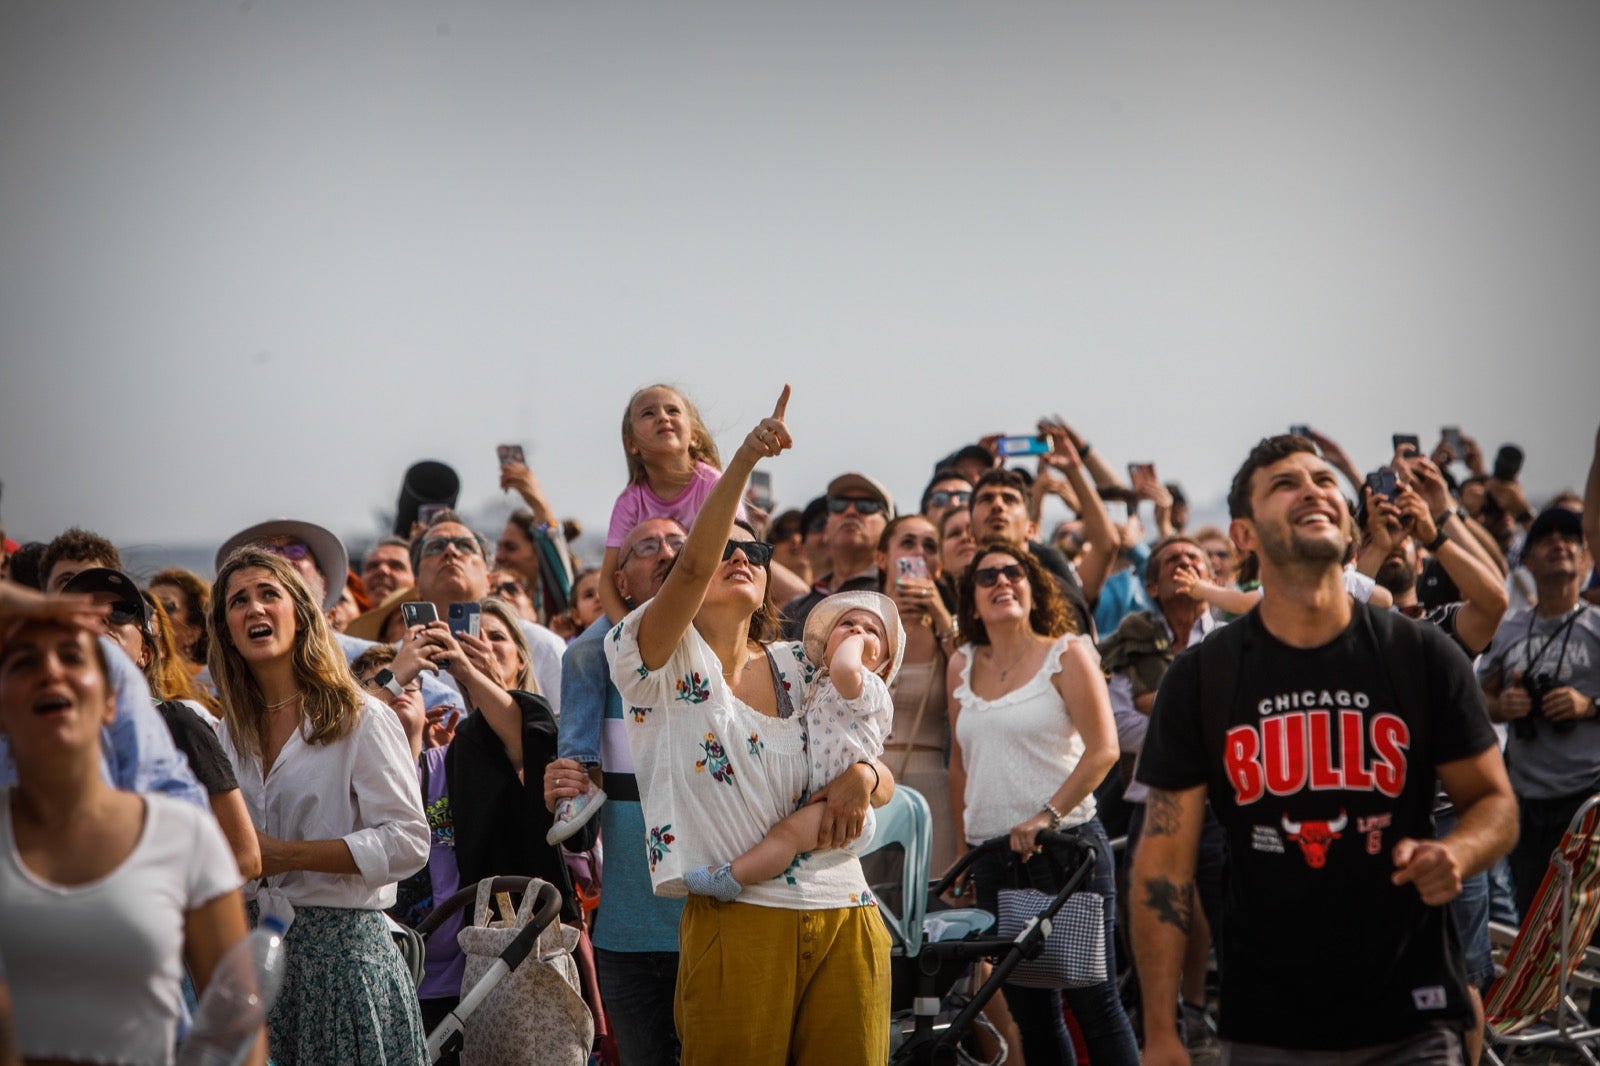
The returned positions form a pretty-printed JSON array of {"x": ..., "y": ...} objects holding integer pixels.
[
  {"x": 923, "y": 970},
  {"x": 447, "y": 1038}
]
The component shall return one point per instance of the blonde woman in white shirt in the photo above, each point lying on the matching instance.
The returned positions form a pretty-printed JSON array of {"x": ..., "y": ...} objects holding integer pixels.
[
  {"x": 107, "y": 894},
  {"x": 328, "y": 778}
]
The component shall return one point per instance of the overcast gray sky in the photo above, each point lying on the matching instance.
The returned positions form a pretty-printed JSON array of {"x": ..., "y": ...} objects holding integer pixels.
[{"x": 257, "y": 257}]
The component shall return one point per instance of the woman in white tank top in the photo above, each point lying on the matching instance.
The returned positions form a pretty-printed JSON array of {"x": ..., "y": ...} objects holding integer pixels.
[{"x": 1031, "y": 737}]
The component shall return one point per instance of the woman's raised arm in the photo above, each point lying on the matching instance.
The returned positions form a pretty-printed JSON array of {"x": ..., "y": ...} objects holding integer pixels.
[{"x": 671, "y": 611}]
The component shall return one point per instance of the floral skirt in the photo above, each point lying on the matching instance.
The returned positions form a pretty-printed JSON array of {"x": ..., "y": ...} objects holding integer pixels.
[{"x": 347, "y": 996}]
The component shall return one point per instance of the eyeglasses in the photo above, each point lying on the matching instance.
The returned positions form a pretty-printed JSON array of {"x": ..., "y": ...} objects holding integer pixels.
[
  {"x": 510, "y": 589},
  {"x": 865, "y": 505},
  {"x": 650, "y": 547},
  {"x": 758, "y": 553},
  {"x": 436, "y": 545},
  {"x": 989, "y": 576},
  {"x": 292, "y": 550},
  {"x": 946, "y": 497}
]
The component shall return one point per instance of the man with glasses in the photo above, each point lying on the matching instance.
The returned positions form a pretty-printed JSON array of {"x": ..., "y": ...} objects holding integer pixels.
[
  {"x": 859, "y": 509},
  {"x": 636, "y": 931},
  {"x": 452, "y": 566},
  {"x": 947, "y": 491}
]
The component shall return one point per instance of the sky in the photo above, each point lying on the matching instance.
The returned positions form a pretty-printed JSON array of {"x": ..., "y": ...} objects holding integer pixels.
[{"x": 256, "y": 258}]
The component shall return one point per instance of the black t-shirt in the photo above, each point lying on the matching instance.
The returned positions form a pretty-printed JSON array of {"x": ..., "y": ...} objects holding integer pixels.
[
  {"x": 1316, "y": 771},
  {"x": 199, "y": 744}
]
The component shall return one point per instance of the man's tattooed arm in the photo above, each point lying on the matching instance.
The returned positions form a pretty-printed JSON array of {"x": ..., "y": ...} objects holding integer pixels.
[
  {"x": 1162, "y": 813},
  {"x": 1171, "y": 902}
]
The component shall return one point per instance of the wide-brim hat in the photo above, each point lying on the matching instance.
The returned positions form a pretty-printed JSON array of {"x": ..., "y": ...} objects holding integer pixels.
[
  {"x": 825, "y": 615},
  {"x": 369, "y": 625},
  {"x": 861, "y": 483},
  {"x": 118, "y": 584},
  {"x": 326, "y": 549}
]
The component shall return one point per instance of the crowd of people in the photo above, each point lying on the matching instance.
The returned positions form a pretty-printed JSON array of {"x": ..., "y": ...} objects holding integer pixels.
[{"x": 1282, "y": 717}]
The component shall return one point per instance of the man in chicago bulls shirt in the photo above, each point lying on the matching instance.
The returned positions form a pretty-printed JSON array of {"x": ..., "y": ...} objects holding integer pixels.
[{"x": 1316, "y": 727}]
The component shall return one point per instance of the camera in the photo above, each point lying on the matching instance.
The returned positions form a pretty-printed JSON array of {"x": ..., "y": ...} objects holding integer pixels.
[{"x": 1537, "y": 686}]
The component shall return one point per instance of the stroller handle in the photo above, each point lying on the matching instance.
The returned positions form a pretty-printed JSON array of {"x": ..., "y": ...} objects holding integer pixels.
[
  {"x": 1060, "y": 837},
  {"x": 549, "y": 899}
]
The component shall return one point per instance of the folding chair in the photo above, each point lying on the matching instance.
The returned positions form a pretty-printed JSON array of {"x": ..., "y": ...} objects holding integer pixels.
[{"x": 1531, "y": 1002}]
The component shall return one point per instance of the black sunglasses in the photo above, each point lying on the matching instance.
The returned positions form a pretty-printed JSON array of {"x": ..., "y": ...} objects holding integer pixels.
[
  {"x": 510, "y": 589},
  {"x": 120, "y": 615},
  {"x": 990, "y": 576},
  {"x": 757, "y": 553},
  {"x": 945, "y": 497},
  {"x": 865, "y": 505}
]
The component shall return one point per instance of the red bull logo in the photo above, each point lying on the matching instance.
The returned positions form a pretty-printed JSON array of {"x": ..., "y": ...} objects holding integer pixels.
[{"x": 1314, "y": 837}]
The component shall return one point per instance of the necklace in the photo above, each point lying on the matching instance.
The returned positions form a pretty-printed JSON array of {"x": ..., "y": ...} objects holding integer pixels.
[
  {"x": 286, "y": 700},
  {"x": 1020, "y": 656}
]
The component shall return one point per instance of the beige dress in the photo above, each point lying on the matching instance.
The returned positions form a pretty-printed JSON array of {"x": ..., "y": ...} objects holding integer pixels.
[{"x": 919, "y": 760}]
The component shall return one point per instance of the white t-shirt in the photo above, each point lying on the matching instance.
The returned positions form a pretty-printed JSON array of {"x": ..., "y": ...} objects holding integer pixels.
[
  {"x": 361, "y": 789},
  {"x": 95, "y": 969},
  {"x": 716, "y": 774}
]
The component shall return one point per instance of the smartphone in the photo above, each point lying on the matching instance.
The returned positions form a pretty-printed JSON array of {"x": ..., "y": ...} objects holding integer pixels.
[
  {"x": 418, "y": 613},
  {"x": 428, "y": 511},
  {"x": 1135, "y": 469},
  {"x": 1301, "y": 430},
  {"x": 510, "y": 453},
  {"x": 760, "y": 491},
  {"x": 1508, "y": 462},
  {"x": 1452, "y": 439},
  {"x": 1402, "y": 440},
  {"x": 465, "y": 618},
  {"x": 1009, "y": 446},
  {"x": 913, "y": 566},
  {"x": 1383, "y": 483}
]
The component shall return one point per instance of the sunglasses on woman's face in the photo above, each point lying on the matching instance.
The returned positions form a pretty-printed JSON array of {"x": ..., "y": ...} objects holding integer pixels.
[
  {"x": 756, "y": 552},
  {"x": 989, "y": 576},
  {"x": 511, "y": 590}
]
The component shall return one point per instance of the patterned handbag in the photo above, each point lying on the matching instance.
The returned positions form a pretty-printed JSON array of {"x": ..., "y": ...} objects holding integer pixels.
[
  {"x": 1074, "y": 954},
  {"x": 536, "y": 1014}
]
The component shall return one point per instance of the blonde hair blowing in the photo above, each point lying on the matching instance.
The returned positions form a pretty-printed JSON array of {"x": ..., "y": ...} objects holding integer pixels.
[
  {"x": 329, "y": 699},
  {"x": 511, "y": 620}
]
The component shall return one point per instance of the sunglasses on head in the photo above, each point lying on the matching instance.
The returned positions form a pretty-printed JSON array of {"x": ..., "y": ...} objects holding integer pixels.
[
  {"x": 293, "y": 550},
  {"x": 864, "y": 504},
  {"x": 758, "y": 553},
  {"x": 650, "y": 547},
  {"x": 946, "y": 497},
  {"x": 437, "y": 545},
  {"x": 990, "y": 576}
]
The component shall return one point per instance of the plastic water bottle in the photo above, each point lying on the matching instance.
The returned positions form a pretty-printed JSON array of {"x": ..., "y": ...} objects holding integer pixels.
[{"x": 242, "y": 990}]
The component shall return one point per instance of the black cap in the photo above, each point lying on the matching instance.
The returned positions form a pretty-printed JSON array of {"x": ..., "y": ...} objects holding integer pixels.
[
  {"x": 1553, "y": 520},
  {"x": 817, "y": 508},
  {"x": 128, "y": 601}
]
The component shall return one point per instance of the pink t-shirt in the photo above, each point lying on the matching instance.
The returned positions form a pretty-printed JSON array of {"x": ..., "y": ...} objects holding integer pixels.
[{"x": 638, "y": 503}]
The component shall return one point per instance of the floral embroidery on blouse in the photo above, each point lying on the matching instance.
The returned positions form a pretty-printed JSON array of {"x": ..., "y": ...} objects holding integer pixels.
[
  {"x": 661, "y": 840},
  {"x": 864, "y": 898},
  {"x": 754, "y": 743},
  {"x": 716, "y": 760},
  {"x": 639, "y": 713},
  {"x": 692, "y": 688},
  {"x": 788, "y": 873}
]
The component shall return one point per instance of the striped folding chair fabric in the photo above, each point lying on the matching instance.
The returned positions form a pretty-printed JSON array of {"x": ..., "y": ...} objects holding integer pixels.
[{"x": 1555, "y": 931}]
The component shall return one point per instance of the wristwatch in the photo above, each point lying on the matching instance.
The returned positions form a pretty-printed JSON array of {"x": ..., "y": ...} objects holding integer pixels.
[{"x": 385, "y": 679}]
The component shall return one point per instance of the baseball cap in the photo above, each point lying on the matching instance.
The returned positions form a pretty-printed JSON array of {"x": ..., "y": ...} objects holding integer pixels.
[
  {"x": 1552, "y": 521},
  {"x": 127, "y": 604},
  {"x": 860, "y": 484}
]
